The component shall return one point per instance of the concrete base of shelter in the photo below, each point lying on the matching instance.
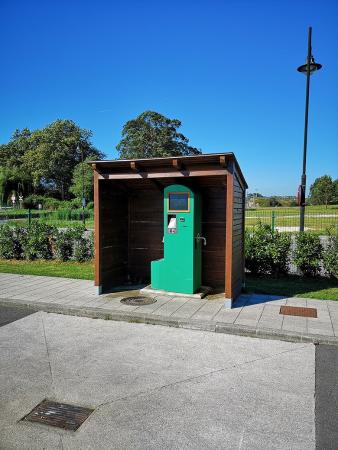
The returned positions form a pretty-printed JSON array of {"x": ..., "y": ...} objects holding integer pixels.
[
  {"x": 228, "y": 303},
  {"x": 148, "y": 290}
]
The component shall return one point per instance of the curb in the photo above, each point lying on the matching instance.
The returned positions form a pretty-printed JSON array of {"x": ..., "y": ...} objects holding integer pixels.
[{"x": 132, "y": 317}]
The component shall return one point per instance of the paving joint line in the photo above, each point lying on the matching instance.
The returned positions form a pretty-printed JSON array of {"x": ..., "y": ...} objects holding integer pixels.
[{"x": 203, "y": 375}]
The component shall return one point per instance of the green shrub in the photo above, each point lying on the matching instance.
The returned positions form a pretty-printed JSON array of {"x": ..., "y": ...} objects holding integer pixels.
[
  {"x": 82, "y": 245},
  {"x": 51, "y": 203},
  {"x": 39, "y": 242},
  {"x": 330, "y": 256},
  {"x": 11, "y": 241},
  {"x": 90, "y": 205},
  {"x": 308, "y": 254},
  {"x": 32, "y": 201},
  {"x": 64, "y": 244},
  {"x": 267, "y": 252}
]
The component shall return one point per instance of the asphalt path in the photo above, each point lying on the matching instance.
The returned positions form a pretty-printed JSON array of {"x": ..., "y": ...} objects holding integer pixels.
[
  {"x": 326, "y": 406},
  {"x": 11, "y": 314}
]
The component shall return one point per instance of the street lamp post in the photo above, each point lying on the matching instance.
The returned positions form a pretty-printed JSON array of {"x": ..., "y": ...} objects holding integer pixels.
[{"x": 308, "y": 69}]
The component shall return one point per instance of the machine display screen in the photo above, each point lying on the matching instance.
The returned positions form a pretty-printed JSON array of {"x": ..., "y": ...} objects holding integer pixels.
[{"x": 178, "y": 201}]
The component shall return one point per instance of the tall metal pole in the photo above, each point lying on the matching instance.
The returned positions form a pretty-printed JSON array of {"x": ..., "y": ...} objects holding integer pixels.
[{"x": 303, "y": 178}]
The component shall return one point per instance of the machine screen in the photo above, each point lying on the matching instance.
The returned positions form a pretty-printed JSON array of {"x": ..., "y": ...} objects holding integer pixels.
[{"x": 178, "y": 201}]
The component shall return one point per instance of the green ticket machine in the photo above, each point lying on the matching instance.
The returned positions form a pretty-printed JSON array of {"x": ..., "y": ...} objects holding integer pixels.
[{"x": 180, "y": 269}]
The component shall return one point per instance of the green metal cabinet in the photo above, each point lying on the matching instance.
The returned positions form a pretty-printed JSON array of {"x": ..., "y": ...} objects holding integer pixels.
[{"x": 180, "y": 269}]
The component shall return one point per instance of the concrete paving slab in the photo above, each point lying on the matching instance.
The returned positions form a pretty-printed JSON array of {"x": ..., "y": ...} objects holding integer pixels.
[
  {"x": 292, "y": 323},
  {"x": 154, "y": 387},
  {"x": 227, "y": 315},
  {"x": 208, "y": 311},
  {"x": 188, "y": 309},
  {"x": 295, "y": 301}
]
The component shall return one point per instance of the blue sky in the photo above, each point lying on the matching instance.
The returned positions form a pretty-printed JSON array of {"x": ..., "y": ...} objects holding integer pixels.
[{"x": 226, "y": 69}]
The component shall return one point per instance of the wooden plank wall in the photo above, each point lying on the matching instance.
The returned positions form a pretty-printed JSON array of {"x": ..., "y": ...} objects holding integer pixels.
[
  {"x": 237, "y": 237},
  {"x": 213, "y": 229},
  {"x": 145, "y": 232},
  {"x": 114, "y": 235}
]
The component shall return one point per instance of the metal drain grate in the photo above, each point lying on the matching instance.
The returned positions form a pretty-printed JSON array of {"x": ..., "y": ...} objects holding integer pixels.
[
  {"x": 61, "y": 415},
  {"x": 138, "y": 301},
  {"x": 298, "y": 311}
]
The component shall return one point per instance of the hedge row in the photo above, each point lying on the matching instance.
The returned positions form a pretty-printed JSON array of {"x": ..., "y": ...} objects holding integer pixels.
[
  {"x": 268, "y": 252},
  {"x": 42, "y": 241}
]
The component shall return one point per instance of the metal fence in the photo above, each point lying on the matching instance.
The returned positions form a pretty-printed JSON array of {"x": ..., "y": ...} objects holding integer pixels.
[
  {"x": 60, "y": 218},
  {"x": 319, "y": 220}
]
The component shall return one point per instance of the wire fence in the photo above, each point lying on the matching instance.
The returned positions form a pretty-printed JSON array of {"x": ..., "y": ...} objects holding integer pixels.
[
  {"x": 320, "y": 220},
  {"x": 61, "y": 218}
]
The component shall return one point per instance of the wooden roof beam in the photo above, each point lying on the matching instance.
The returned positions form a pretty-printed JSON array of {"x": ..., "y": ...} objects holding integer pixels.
[
  {"x": 222, "y": 161},
  {"x": 178, "y": 165},
  {"x": 134, "y": 167}
]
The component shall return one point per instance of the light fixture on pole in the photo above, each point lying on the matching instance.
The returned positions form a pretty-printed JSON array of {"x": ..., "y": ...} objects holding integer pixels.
[{"x": 308, "y": 69}]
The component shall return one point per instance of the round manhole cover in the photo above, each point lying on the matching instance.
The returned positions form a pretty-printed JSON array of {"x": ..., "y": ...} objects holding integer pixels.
[{"x": 138, "y": 301}]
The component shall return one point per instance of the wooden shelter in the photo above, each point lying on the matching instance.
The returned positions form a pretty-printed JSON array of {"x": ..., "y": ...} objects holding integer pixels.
[{"x": 128, "y": 209}]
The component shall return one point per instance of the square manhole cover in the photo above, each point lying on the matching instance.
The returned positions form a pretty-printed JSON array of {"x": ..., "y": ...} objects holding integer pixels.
[
  {"x": 61, "y": 415},
  {"x": 298, "y": 311}
]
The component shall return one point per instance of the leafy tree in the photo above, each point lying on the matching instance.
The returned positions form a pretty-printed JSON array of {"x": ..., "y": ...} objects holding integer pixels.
[
  {"x": 322, "y": 191},
  {"x": 76, "y": 187},
  {"x": 44, "y": 160},
  {"x": 153, "y": 135},
  {"x": 55, "y": 154}
]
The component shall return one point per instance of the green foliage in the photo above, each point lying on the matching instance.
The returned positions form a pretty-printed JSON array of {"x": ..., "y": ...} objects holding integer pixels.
[
  {"x": 151, "y": 135},
  {"x": 88, "y": 176},
  {"x": 83, "y": 246},
  {"x": 39, "y": 241},
  {"x": 12, "y": 240},
  {"x": 90, "y": 205},
  {"x": 322, "y": 191},
  {"x": 308, "y": 254},
  {"x": 266, "y": 252},
  {"x": 44, "y": 160},
  {"x": 330, "y": 256},
  {"x": 71, "y": 244}
]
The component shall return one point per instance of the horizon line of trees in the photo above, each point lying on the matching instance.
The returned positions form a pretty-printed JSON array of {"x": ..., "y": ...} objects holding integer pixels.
[{"x": 323, "y": 191}]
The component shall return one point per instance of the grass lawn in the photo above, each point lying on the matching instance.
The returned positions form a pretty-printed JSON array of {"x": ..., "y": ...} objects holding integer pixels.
[
  {"x": 293, "y": 286},
  {"x": 71, "y": 269}
]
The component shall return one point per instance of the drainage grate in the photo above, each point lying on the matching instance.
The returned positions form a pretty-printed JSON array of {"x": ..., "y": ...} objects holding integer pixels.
[
  {"x": 61, "y": 415},
  {"x": 298, "y": 311},
  {"x": 138, "y": 301}
]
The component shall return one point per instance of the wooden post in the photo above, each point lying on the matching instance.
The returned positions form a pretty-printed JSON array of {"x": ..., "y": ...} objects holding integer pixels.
[
  {"x": 228, "y": 233},
  {"x": 97, "y": 231}
]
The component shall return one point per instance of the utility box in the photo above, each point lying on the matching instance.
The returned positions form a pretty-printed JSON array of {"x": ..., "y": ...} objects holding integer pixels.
[{"x": 180, "y": 269}]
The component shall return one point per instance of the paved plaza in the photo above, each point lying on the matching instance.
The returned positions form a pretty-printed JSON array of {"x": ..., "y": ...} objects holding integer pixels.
[
  {"x": 252, "y": 315},
  {"x": 154, "y": 387}
]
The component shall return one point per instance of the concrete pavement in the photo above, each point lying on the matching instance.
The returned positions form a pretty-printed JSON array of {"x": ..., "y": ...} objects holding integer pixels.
[
  {"x": 253, "y": 315},
  {"x": 154, "y": 387}
]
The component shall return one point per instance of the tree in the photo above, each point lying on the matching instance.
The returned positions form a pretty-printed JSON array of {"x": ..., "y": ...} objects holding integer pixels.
[
  {"x": 45, "y": 159},
  {"x": 153, "y": 135},
  {"x": 322, "y": 191},
  {"x": 76, "y": 187}
]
